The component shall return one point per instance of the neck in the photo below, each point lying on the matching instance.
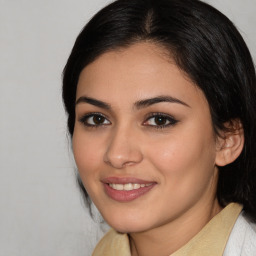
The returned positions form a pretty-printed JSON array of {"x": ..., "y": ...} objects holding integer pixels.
[{"x": 171, "y": 236}]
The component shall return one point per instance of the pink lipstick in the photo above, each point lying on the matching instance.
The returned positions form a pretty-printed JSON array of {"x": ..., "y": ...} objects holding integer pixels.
[{"x": 126, "y": 189}]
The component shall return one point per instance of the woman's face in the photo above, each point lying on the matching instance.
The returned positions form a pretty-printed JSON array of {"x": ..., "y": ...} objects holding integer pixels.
[{"x": 143, "y": 140}]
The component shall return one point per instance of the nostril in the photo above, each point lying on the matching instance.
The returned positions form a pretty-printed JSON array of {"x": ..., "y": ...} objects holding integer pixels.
[
  {"x": 122, "y": 151},
  {"x": 120, "y": 161}
]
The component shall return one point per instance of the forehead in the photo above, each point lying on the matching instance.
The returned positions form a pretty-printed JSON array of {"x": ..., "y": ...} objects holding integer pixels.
[{"x": 142, "y": 70}]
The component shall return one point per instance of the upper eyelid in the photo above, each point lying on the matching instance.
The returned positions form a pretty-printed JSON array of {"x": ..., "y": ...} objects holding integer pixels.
[
  {"x": 155, "y": 114},
  {"x": 169, "y": 117},
  {"x": 89, "y": 114},
  {"x": 152, "y": 114},
  {"x": 146, "y": 118},
  {"x": 84, "y": 117}
]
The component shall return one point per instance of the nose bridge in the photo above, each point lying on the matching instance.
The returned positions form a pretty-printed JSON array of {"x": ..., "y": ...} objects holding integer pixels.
[{"x": 123, "y": 148}]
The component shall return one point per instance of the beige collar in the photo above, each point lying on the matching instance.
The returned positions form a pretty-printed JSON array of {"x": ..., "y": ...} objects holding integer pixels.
[{"x": 211, "y": 240}]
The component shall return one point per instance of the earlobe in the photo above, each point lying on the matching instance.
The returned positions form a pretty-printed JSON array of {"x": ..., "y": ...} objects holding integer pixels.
[{"x": 230, "y": 143}]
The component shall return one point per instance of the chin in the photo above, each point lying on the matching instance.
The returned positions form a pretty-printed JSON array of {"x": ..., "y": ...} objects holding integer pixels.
[
  {"x": 129, "y": 230},
  {"x": 125, "y": 225},
  {"x": 126, "y": 218}
]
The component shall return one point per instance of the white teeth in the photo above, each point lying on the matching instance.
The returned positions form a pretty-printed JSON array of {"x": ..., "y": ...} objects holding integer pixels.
[
  {"x": 119, "y": 186},
  {"x": 128, "y": 186},
  {"x": 136, "y": 186}
]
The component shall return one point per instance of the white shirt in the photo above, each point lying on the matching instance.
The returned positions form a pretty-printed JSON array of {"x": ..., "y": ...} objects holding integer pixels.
[{"x": 242, "y": 240}]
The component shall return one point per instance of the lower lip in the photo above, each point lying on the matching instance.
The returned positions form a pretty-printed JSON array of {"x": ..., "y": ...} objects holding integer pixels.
[{"x": 126, "y": 196}]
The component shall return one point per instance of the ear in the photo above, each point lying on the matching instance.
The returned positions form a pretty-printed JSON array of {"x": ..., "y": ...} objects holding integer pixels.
[{"x": 230, "y": 143}]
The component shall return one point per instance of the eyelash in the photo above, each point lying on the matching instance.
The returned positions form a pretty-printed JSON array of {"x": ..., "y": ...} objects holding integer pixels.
[
  {"x": 84, "y": 120},
  {"x": 172, "y": 121},
  {"x": 167, "y": 118}
]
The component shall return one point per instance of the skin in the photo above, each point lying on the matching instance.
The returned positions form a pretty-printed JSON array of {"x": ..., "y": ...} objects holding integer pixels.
[{"x": 180, "y": 158}]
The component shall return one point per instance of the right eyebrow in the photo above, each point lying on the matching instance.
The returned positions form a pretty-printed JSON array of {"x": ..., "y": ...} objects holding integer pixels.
[{"x": 94, "y": 102}]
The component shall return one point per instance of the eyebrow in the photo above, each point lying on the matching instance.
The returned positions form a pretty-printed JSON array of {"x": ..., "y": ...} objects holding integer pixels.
[
  {"x": 148, "y": 102},
  {"x": 139, "y": 104},
  {"x": 97, "y": 103}
]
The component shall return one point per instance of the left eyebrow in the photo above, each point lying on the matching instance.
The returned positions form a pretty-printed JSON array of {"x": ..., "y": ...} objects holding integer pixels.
[{"x": 148, "y": 102}]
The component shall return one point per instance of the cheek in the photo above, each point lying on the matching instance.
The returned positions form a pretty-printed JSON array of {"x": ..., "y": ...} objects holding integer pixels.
[
  {"x": 84, "y": 156},
  {"x": 87, "y": 152},
  {"x": 189, "y": 155},
  {"x": 186, "y": 170}
]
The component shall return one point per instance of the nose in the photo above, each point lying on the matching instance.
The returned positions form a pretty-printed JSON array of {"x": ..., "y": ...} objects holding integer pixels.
[{"x": 123, "y": 149}]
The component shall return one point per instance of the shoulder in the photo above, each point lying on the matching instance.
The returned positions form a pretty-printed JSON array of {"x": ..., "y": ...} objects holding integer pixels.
[
  {"x": 113, "y": 243},
  {"x": 242, "y": 240}
]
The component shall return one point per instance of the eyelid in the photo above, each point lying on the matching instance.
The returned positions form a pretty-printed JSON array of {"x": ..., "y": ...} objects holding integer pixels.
[
  {"x": 170, "y": 118},
  {"x": 85, "y": 117}
]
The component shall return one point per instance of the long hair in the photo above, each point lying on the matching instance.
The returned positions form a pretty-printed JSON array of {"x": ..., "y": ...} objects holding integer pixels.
[{"x": 207, "y": 47}]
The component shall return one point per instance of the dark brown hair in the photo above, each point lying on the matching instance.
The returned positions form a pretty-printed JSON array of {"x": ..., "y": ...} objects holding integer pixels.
[{"x": 207, "y": 47}]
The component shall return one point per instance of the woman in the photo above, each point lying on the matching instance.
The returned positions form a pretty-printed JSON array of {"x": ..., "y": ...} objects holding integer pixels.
[{"x": 161, "y": 103}]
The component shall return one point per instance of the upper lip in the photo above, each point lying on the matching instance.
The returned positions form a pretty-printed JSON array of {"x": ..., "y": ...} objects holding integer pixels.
[{"x": 125, "y": 180}]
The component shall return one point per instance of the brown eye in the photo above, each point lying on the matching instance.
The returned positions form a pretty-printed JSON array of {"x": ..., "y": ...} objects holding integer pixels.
[
  {"x": 98, "y": 120},
  {"x": 94, "y": 120},
  {"x": 160, "y": 121}
]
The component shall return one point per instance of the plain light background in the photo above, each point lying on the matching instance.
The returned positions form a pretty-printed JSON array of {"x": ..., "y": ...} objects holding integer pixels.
[{"x": 41, "y": 210}]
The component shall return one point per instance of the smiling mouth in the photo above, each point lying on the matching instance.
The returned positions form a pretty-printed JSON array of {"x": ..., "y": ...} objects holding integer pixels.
[
  {"x": 128, "y": 186},
  {"x": 126, "y": 192}
]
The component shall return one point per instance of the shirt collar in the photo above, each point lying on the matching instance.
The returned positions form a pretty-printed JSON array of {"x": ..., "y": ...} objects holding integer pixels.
[{"x": 211, "y": 240}]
